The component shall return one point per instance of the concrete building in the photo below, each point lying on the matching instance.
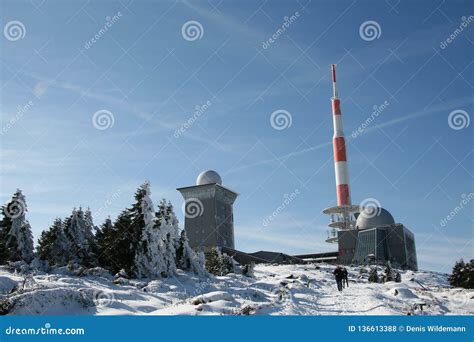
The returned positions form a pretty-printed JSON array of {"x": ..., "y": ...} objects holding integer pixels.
[
  {"x": 209, "y": 219},
  {"x": 377, "y": 239}
]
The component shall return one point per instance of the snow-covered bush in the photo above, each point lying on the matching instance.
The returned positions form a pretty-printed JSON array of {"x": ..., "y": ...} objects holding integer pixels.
[
  {"x": 373, "y": 275},
  {"x": 247, "y": 269},
  {"x": 463, "y": 274},
  {"x": 389, "y": 272},
  {"x": 218, "y": 263}
]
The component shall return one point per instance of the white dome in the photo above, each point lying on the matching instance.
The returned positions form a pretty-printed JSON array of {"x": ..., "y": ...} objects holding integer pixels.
[
  {"x": 372, "y": 217},
  {"x": 208, "y": 177}
]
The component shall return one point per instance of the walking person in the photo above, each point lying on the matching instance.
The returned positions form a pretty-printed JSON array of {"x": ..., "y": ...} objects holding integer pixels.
[
  {"x": 345, "y": 280},
  {"x": 339, "y": 275}
]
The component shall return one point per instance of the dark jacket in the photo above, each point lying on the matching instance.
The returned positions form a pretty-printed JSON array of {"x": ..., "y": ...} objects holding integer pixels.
[{"x": 339, "y": 273}]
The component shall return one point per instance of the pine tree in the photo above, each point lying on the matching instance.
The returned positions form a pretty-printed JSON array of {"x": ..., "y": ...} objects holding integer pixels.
[
  {"x": 53, "y": 245},
  {"x": 187, "y": 259},
  {"x": 462, "y": 274},
  {"x": 150, "y": 259},
  {"x": 105, "y": 244},
  {"x": 121, "y": 249},
  {"x": 80, "y": 239},
  {"x": 16, "y": 238}
]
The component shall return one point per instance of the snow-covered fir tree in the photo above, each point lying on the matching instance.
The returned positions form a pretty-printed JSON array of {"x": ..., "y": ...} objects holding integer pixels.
[
  {"x": 16, "y": 239},
  {"x": 105, "y": 238},
  {"x": 151, "y": 260},
  {"x": 187, "y": 259},
  {"x": 80, "y": 239},
  {"x": 53, "y": 245}
]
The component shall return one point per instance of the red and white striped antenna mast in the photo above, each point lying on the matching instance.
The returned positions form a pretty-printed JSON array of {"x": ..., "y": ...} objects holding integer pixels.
[{"x": 342, "y": 215}]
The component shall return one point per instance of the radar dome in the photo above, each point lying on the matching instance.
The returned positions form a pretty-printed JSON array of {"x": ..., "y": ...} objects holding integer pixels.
[
  {"x": 208, "y": 177},
  {"x": 371, "y": 217}
]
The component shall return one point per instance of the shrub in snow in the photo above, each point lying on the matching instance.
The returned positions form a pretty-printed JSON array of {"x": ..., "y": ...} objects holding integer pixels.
[
  {"x": 389, "y": 272},
  {"x": 463, "y": 274},
  {"x": 398, "y": 277},
  {"x": 247, "y": 269},
  {"x": 373, "y": 275},
  {"x": 18, "y": 267},
  {"x": 218, "y": 263},
  {"x": 16, "y": 239}
]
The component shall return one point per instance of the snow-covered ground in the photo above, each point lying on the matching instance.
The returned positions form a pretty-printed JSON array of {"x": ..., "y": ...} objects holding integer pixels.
[{"x": 274, "y": 290}]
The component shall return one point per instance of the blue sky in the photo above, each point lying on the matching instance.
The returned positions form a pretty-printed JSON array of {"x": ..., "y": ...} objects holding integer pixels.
[{"x": 148, "y": 79}]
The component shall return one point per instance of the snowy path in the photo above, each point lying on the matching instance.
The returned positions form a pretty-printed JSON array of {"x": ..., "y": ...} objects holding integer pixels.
[{"x": 275, "y": 290}]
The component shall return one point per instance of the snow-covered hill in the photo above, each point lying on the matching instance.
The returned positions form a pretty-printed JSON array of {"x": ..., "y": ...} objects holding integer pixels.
[{"x": 274, "y": 290}]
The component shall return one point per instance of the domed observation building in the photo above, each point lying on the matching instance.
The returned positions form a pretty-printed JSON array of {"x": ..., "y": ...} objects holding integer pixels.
[
  {"x": 208, "y": 212},
  {"x": 377, "y": 238}
]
